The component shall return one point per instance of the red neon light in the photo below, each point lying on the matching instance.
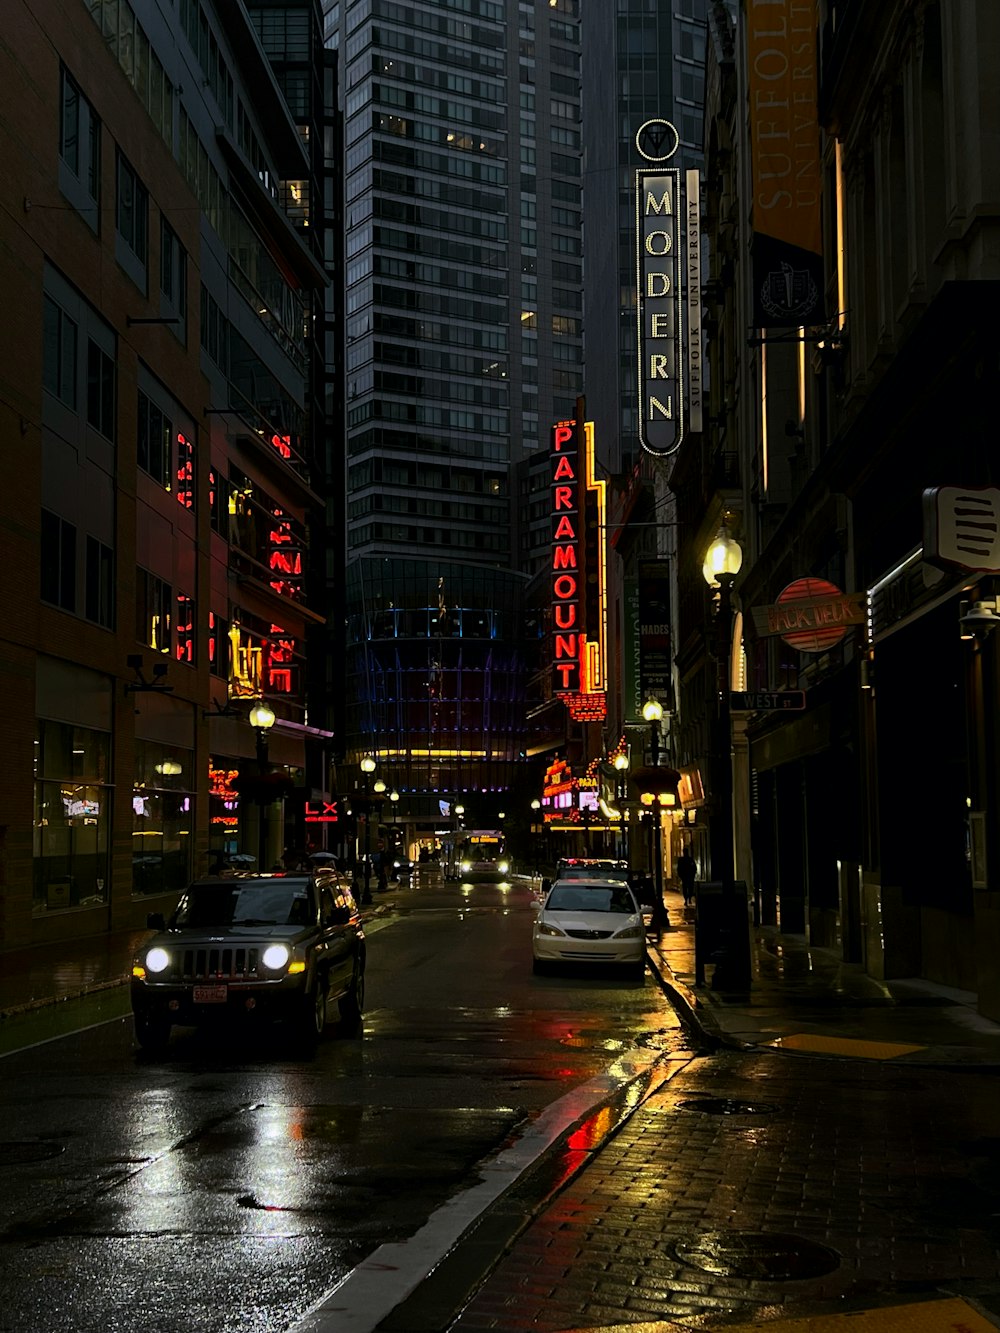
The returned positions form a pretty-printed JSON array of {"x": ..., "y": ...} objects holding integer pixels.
[
  {"x": 328, "y": 814},
  {"x": 185, "y": 471},
  {"x": 283, "y": 444},
  {"x": 220, "y": 783}
]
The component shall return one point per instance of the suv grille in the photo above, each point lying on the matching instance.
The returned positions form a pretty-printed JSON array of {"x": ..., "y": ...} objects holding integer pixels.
[{"x": 218, "y": 964}]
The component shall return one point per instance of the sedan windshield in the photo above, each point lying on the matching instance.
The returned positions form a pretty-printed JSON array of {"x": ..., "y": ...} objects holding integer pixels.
[
  {"x": 224, "y": 903},
  {"x": 590, "y": 898}
]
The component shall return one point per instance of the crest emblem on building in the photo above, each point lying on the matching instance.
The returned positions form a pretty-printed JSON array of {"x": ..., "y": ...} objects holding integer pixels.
[{"x": 788, "y": 293}]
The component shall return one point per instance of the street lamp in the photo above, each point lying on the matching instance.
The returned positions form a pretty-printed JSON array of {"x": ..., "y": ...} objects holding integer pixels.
[
  {"x": 621, "y": 767},
  {"x": 652, "y": 711},
  {"x": 368, "y": 768},
  {"x": 261, "y": 718},
  {"x": 394, "y": 798},
  {"x": 536, "y": 807},
  {"x": 732, "y": 971}
]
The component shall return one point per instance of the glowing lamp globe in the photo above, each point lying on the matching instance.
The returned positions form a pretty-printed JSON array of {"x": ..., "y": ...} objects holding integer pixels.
[
  {"x": 261, "y": 716},
  {"x": 725, "y": 556}
]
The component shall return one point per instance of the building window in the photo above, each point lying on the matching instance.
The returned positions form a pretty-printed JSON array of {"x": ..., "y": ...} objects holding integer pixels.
[
  {"x": 185, "y": 637},
  {"x": 152, "y": 437},
  {"x": 72, "y": 816},
  {"x": 58, "y": 562},
  {"x": 100, "y": 390},
  {"x": 59, "y": 353},
  {"x": 173, "y": 278},
  {"x": 100, "y": 583},
  {"x": 133, "y": 211},
  {"x": 218, "y": 645},
  {"x": 163, "y": 802},
  {"x": 154, "y": 607},
  {"x": 80, "y": 137}
]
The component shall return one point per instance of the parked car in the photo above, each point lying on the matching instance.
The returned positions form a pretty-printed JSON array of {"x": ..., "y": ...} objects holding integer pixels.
[
  {"x": 580, "y": 868},
  {"x": 251, "y": 948},
  {"x": 402, "y": 867},
  {"x": 589, "y": 921}
]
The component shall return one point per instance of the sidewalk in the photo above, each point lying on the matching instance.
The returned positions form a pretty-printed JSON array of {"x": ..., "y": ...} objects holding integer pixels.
[{"x": 810, "y": 1001}]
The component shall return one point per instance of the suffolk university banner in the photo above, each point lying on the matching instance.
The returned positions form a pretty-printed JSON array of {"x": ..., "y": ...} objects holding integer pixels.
[{"x": 784, "y": 147}]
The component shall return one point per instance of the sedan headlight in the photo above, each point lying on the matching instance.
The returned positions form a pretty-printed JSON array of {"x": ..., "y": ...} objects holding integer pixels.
[
  {"x": 275, "y": 956},
  {"x": 503, "y": 867},
  {"x": 465, "y": 867},
  {"x": 544, "y": 928},
  {"x": 629, "y": 933},
  {"x": 157, "y": 960}
]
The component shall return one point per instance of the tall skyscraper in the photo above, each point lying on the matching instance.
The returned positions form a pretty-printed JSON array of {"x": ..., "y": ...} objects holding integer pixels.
[{"x": 463, "y": 272}]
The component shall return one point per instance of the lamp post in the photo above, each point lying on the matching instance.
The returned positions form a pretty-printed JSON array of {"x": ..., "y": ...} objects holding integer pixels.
[
  {"x": 652, "y": 711},
  {"x": 536, "y": 809},
  {"x": 621, "y": 768},
  {"x": 732, "y": 969},
  {"x": 459, "y": 812},
  {"x": 261, "y": 718},
  {"x": 394, "y": 798},
  {"x": 367, "y": 768}
]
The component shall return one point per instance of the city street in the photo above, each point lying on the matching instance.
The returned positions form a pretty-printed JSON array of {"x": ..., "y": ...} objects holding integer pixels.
[{"x": 229, "y": 1187}]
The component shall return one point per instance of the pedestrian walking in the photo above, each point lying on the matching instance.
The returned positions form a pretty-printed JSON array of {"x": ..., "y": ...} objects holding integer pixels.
[{"x": 687, "y": 872}]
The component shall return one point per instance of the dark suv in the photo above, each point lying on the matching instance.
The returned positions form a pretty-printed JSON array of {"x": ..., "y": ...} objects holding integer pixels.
[{"x": 252, "y": 947}]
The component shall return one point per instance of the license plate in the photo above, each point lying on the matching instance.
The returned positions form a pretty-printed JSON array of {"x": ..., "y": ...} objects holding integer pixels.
[{"x": 210, "y": 994}]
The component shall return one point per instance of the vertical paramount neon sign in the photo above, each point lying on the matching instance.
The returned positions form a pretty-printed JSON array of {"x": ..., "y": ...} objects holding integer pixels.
[
  {"x": 658, "y": 233},
  {"x": 579, "y": 566}
]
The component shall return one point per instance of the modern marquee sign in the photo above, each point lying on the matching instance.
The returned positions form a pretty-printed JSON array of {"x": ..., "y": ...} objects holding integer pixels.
[{"x": 667, "y": 257}]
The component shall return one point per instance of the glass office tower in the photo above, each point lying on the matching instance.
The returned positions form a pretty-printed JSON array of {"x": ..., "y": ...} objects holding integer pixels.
[{"x": 463, "y": 252}]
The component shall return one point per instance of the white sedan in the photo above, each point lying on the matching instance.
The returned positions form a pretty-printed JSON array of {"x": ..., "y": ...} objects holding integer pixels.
[{"x": 589, "y": 921}]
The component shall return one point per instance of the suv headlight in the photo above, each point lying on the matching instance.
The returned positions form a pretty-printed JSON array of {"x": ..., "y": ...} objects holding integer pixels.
[
  {"x": 157, "y": 960},
  {"x": 275, "y": 957}
]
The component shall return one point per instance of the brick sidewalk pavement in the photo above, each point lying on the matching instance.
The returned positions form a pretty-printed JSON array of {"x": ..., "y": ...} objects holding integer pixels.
[{"x": 696, "y": 1219}]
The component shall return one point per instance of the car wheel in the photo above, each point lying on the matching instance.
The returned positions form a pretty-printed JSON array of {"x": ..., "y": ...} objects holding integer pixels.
[
  {"x": 638, "y": 973},
  {"x": 352, "y": 1005},
  {"x": 313, "y": 1017},
  {"x": 538, "y": 967},
  {"x": 152, "y": 1033}
]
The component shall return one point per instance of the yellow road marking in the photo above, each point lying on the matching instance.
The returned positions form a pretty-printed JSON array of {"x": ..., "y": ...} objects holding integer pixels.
[
  {"x": 948, "y": 1316},
  {"x": 868, "y": 1050}
]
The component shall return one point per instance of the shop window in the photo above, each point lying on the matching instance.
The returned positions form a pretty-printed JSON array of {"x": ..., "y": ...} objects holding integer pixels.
[
  {"x": 163, "y": 804},
  {"x": 72, "y": 796}
]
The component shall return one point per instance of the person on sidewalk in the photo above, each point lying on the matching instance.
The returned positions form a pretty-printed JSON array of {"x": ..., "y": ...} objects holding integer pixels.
[{"x": 687, "y": 871}]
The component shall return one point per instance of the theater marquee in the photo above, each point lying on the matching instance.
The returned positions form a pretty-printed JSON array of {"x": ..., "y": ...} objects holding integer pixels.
[
  {"x": 579, "y": 574},
  {"x": 660, "y": 236}
]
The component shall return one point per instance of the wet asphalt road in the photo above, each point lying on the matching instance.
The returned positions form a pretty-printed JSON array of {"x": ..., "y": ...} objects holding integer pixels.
[{"x": 228, "y": 1186}]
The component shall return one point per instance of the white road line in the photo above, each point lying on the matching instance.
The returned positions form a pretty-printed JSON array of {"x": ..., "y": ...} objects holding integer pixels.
[{"x": 362, "y": 1299}]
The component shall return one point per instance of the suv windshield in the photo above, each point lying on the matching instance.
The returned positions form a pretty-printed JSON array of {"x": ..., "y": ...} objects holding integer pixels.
[{"x": 248, "y": 902}]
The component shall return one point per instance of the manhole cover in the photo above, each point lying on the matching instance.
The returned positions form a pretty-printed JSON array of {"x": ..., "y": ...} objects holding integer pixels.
[
  {"x": 726, "y": 1106},
  {"x": 18, "y": 1152},
  {"x": 757, "y": 1255}
]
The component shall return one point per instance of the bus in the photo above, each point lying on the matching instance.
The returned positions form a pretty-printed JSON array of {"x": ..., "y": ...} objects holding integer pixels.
[{"x": 481, "y": 854}]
